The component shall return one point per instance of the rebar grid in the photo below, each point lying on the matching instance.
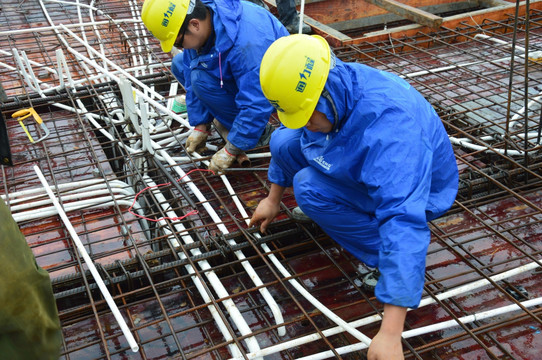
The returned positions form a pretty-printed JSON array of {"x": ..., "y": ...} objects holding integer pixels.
[{"x": 153, "y": 272}]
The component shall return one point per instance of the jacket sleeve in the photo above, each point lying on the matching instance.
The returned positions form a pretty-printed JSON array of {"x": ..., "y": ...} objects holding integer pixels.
[
  {"x": 287, "y": 157},
  {"x": 397, "y": 171},
  {"x": 277, "y": 176},
  {"x": 254, "y": 109},
  {"x": 197, "y": 113}
]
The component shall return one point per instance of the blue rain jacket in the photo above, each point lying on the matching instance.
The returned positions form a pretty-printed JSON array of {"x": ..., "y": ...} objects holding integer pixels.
[
  {"x": 389, "y": 158},
  {"x": 243, "y": 32}
]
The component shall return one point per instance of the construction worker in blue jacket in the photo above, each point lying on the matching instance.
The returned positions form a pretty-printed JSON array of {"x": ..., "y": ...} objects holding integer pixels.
[
  {"x": 224, "y": 42},
  {"x": 369, "y": 161}
]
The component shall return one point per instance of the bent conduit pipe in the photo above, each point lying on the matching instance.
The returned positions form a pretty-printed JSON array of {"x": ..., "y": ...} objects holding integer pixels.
[
  {"x": 431, "y": 328},
  {"x": 330, "y": 314},
  {"x": 275, "y": 309},
  {"x": 211, "y": 276},
  {"x": 127, "y": 75},
  {"x": 373, "y": 318}
]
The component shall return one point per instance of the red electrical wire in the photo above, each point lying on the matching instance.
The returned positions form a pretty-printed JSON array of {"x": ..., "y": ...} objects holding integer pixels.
[{"x": 192, "y": 212}]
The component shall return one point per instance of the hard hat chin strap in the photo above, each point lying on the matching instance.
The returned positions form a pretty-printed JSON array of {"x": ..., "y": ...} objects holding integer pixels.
[{"x": 327, "y": 96}]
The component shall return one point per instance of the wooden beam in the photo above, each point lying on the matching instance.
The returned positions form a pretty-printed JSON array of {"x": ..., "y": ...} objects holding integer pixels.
[
  {"x": 334, "y": 38},
  {"x": 409, "y": 12},
  {"x": 474, "y": 17},
  {"x": 387, "y": 19}
]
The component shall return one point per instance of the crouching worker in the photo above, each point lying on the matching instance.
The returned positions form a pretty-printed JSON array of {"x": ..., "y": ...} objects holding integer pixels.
[
  {"x": 369, "y": 161},
  {"x": 224, "y": 42},
  {"x": 30, "y": 328}
]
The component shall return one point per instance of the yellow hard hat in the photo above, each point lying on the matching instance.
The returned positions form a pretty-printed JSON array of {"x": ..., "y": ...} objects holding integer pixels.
[
  {"x": 164, "y": 19},
  {"x": 293, "y": 73}
]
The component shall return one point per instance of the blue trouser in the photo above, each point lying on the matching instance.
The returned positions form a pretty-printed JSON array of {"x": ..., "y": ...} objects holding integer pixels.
[
  {"x": 337, "y": 207},
  {"x": 285, "y": 8}
]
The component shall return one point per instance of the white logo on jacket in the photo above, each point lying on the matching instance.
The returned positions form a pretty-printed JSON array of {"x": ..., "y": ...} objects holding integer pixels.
[{"x": 320, "y": 160}]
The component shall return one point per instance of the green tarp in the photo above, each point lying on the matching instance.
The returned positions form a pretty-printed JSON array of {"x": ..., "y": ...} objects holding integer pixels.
[{"x": 29, "y": 324}]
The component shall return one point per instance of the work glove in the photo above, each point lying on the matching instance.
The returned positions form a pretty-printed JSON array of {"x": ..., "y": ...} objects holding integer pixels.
[
  {"x": 196, "y": 141},
  {"x": 224, "y": 157}
]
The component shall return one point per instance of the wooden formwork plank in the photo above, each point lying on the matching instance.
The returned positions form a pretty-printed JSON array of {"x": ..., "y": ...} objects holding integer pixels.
[
  {"x": 474, "y": 17},
  {"x": 333, "y": 11},
  {"x": 334, "y": 37},
  {"x": 409, "y": 12}
]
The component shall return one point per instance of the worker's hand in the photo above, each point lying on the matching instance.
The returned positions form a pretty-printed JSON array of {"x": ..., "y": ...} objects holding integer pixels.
[
  {"x": 385, "y": 346},
  {"x": 221, "y": 160},
  {"x": 266, "y": 211},
  {"x": 197, "y": 139}
]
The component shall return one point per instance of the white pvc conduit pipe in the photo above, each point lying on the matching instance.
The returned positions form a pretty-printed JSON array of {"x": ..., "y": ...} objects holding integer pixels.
[
  {"x": 100, "y": 12},
  {"x": 127, "y": 96},
  {"x": 373, "y": 318},
  {"x": 301, "y": 14},
  {"x": 213, "y": 279},
  {"x": 91, "y": 62},
  {"x": 256, "y": 155},
  {"x": 7, "y": 53},
  {"x": 275, "y": 309},
  {"x": 56, "y": 27},
  {"x": 103, "y": 288},
  {"x": 82, "y": 29},
  {"x": 32, "y": 81},
  {"x": 450, "y": 67},
  {"x": 221, "y": 291},
  {"x": 521, "y": 112},
  {"x": 88, "y": 189},
  {"x": 80, "y": 104},
  {"x": 155, "y": 103},
  {"x": 432, "y": 328},
  {"x": 251, "y": 347},
  {"x": 102, "y": 202},
  {"x": 139, "y": 27},
  {"x": 87, "y": 193},
  {"x": 234, "y": 312},
  {"x": 75, "y": 185},
  {"x": 465, "y": 142},
  {"x": 53, "y": 89},
  {"x": 104, "y": 71},
  {"x": 330, "y": 314}
]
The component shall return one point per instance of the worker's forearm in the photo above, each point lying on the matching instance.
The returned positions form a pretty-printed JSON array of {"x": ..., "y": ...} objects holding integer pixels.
[
  {"x": 394, "y": 319},
  {"x": 275, "y": 193}
]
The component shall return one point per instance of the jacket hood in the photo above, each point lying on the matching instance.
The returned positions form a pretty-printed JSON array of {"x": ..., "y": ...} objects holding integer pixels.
[
  {"x": 228, "y": 12},
  {"x": 343, "y": 87}
]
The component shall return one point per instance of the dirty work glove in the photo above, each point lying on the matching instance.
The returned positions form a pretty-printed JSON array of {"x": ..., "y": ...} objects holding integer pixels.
[
  {"x": 196, "y": 141},
  {"x": 224, "y": 158}
]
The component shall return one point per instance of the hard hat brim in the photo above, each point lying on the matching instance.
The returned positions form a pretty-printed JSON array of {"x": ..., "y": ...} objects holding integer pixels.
[
  {"x": 168, "y": 44},
  {"x": 298, "y": 119}
]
